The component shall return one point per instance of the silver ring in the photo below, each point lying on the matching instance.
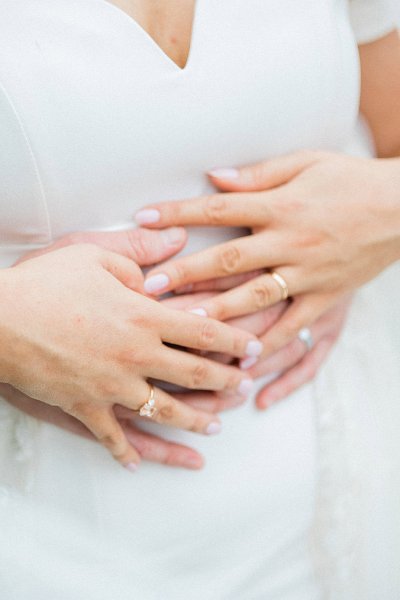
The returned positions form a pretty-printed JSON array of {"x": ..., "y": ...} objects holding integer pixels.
[{"x": 306, "y": 337}]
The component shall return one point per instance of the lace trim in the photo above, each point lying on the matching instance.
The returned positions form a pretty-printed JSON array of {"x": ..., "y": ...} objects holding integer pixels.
[{"x": 337, "y": 529}]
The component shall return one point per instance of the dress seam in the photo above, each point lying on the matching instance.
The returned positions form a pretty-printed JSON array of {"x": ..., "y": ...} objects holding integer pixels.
[{"x": 35, "y": 165}]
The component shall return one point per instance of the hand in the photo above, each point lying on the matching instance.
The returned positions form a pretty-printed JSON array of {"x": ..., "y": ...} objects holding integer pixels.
[
  {"x": 81, "y": 338},
  {"x": 327, "y": 223},
  {"x": 294, "y": 365},
  {"x": 150, "y": 447}
]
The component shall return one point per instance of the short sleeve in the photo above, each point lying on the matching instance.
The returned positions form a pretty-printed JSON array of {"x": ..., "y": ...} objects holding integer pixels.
[{"x": 372, "y": 19}]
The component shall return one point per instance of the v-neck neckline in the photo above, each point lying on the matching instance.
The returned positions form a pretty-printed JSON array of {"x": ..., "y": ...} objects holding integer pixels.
[{"x": 156, "y": 47}]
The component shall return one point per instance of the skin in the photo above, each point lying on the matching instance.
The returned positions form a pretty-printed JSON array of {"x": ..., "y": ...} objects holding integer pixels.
[
  {"x": 84, "y": 337},
  {"x": 344, "y": 241},
  {"x": 166, "y": 25}
]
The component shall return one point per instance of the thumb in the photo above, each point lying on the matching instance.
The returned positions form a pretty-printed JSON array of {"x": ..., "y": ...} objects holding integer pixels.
[
  {"x": 266, "y": 174},
  {"x": 144, "y": 246}
]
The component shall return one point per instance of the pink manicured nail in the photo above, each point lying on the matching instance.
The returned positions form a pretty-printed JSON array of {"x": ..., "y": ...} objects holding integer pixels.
[
  {"x": 245, "y": 387},
  {"x": 172, "y": 236},
  {"x": 249, "y": 362},
  {"x": 198, "y": 311},
  {"x": 132, "y": 467},
  {"x": 254, "y": 348},
  {"x": 146, "y": 216},
  {"x": 228, "y": 173},
  {"x": 213, "y": 428},
  {"x": 193, "y": 462},
  {"x": 156, "y": 283}
]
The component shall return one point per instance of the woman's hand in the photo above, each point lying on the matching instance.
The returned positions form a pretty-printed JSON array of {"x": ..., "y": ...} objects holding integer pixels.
[
  {"x": 292, "y": 366},
  {"x": 150, "y": 447},
  {"x": 81, "y": 338},
  {"x": 326, "y": 223}
]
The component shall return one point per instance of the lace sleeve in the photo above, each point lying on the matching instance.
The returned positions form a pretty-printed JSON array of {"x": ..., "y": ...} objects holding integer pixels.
[{"x": 372, "y": 19}]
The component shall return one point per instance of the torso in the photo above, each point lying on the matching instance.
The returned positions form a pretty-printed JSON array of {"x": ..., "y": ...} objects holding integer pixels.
[{"x": 97, "y": 120}]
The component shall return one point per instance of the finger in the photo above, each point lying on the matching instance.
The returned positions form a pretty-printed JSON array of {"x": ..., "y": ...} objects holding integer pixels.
[
  {"x": 200, "y": 333},
  {"x": 253, "y": 296},
  {"x": 121, "y": 268},
  {"x": 198, "y": 373},
  {"x": 295, "y": 377},
  {"x": 143, "y": 246},
  {"x": 266, "y": 174},
  {"x": 220, "y": 284},
  {"x": 237, "y": 256},
  {"x": 279, "y": 362},
  {"x": 211, "y": 402},
  {"x": 258, "y": 323},
  {"x": 105, "y": 427},
  {"x": 155, "y": 449},
  {"x": 167, "y": 410},
  {"x": 235, "y": 210},
  {"x": 303, "y": 311}
]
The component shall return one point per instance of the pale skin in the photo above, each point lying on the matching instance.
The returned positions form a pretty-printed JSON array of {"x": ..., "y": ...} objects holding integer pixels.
[
  {"x": 348, "y": 208},
  {"x": 171, "y": 29},
  {"x": 84, "y": 337}
]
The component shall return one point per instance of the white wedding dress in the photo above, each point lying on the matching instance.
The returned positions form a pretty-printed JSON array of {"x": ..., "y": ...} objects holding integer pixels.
[{"x": 298, "y": 503}]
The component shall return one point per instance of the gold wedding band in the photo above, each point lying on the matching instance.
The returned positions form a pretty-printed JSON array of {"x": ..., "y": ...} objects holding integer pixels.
[
  {"x": 282, "y": 284},
  {"x": 149, "y": 407}
]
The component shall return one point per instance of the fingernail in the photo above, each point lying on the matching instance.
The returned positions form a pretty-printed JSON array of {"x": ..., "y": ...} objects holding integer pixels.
[
  {"x": 132, "y": 467},
  {"x": 198, "y": 311},
  {"x": 213, "y": 428},
  {"x": 245, "y": 387},
  {"x": 172, "y": 236},
  {"x": 193, "y": 462},
  {"x": 148, "y": 215},
  {"x": 224, "y": 173},
  {"x": 156, "y": 283},
  {"x": 254, "y": 348},
  {"x": 246, "y": 363}
]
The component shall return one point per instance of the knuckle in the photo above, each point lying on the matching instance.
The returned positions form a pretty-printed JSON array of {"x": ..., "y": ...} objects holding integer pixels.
[
  {"x": 215, "y": 208},
  {"x": 207, "y": 335},
  {"x": 180, "y": 271},
  {"x": 262, "y": 295},
  {"x": 231, "y": 382},
  {"x": 229, "y": 259},
  {"x": 198, "y": 375},
  {"x": 293, "y": 353},
  {"x": 138, "y": 249},
  {"x": 237, "y": 346},
  {"x": 258, "y": 173},
  {"x": 166, "y": 412}
]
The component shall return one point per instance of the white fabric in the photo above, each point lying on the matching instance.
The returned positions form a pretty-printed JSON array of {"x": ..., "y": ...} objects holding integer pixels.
[
  {"x": 372, "y": 19},
  {"x": 95, "y": 122}
]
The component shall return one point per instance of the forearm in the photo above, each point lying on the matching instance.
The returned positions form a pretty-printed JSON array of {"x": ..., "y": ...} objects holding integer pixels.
[
  {"x": 380, "y": 92},
  {"x": 390, "y": 206}
]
